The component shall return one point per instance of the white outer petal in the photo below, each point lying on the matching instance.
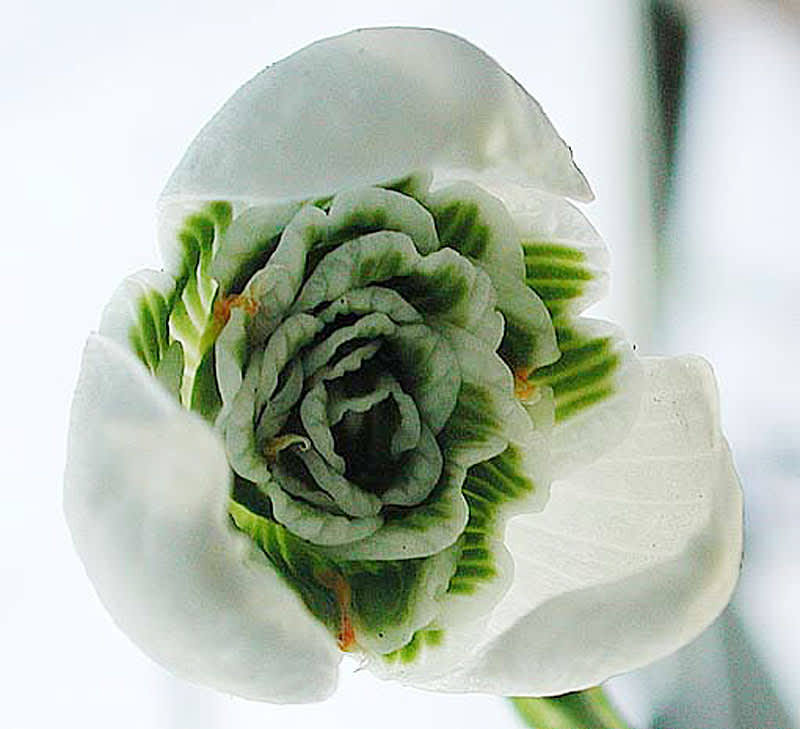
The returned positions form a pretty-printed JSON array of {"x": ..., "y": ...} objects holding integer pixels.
[
  {"x": 632, "y": 557},
  {"x": 146, "y": 493},
  {"x": 369, "y": 106}
]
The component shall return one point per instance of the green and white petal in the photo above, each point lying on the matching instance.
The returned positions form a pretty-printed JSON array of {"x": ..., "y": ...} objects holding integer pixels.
[
  {"x": 428, "y": 371},
  {"x": 249, "y": 241},
  {"x": 632, "y": 557},
  {"x": 190, "y": 230},
  {"x": 420, "y": 531},
  {"x": 146, "y": 500},
  {"x": 316, "y": 525},
  {"x": 352, "y": 500},
  {"x": 477, "y": 225},
  {"x": 420, "y": 473},
  {"x": 566, "y": 261},
  {"x": 274, "y": 287},
  {"x": 596, "y": 387},
  {"x": 137, "y": 317},
  {"x": 283, "y": 348},
  {"x": 323, "y": 356},
  {"x": 388, "y": 601},
  {"x": 393, "y": 600},
  {"x": 495, "y": 490},
  {"x": 238, "y": 428},
  {"x": 370, "y": 209},
  {"x": 231, "y": 355},
  {"x": 445, "y": 286},
  {"x": 496, "y": 417},
  {"x": 368, "y": 300},
  {"x": 370, "y": 106},
  {"x": 368, "y": 259}
]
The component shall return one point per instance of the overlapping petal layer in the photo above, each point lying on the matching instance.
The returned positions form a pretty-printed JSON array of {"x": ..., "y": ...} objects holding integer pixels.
[
  {"x": 146, "y": 498},
  {"x": 373, "y": 296},
  {"x": 633, "y": 554}
]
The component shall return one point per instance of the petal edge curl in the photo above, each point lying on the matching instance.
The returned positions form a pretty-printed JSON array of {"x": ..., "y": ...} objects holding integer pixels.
[
  {"x": 146, "y": 500},
  {"x": 411, "y": 98},
  {"x": 633, "y": 556}
]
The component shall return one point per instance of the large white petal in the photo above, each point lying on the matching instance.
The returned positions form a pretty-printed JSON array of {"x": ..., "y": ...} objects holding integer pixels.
[
  {"x": 369, "y": 106},
  {"x": 632, "y": 557},
  {"x": 146, "y": 495}
]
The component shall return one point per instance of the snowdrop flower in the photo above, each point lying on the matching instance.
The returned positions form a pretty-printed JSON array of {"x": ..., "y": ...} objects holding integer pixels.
[{"x": 359, "y": 410}]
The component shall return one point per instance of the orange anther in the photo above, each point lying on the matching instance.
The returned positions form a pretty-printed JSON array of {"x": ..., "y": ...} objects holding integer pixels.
[
  {"x": 225, "y": 304},
  {"x": 346, "y": 638},
  {"x": 524, "y": 390}
]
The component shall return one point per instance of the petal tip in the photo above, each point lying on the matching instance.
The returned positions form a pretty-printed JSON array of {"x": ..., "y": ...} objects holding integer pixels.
[{"x": 369, "y": 106}]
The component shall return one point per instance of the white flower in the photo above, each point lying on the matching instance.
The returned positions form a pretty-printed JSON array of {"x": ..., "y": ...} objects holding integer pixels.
[{"x": 406, "y": 441}]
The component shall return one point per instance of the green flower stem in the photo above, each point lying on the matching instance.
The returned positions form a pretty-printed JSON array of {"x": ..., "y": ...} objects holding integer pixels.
[{"x": 588, "y": 709}]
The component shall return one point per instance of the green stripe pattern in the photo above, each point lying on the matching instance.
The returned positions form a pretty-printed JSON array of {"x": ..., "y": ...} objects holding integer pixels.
[
  {"x": 191, "y": 321},
  {"x": 393, "y": 604},
  {"x": 488, "y": 488},
  {"x": 584, "y": 375},
  {"x": 149, "y": 333},
  {"x": 388, "y": 601},
  {"x": 558, "y": 273}
]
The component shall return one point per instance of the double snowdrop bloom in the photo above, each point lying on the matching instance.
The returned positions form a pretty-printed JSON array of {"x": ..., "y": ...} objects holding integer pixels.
[{"x": 359, "y": 411}]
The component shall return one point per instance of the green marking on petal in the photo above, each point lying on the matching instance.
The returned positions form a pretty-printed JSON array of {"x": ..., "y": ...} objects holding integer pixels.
[
  {"x": 169, "y": 371},
  {"x": 476, "y": 429},
  {"x": 408, "y": 653},
  {"x": 440, "y": 285},
  {"x": 191, "y": 319},
  {"x": 248, "y": 243},
  {"x": 205, "y": 397},
  {"x": 488, "y": 487},
  {"x": 478, "y": 225},
  {"x": 560, "y": 274},
  {"x": 551, "y": 251},
  {"x": 389, "y": 602},
  {"x": 459, "y": 225},
  {"x": 374, "y": 209},
  {"x": 584, "y": 375},
  {"x": 415, "y": 185},
  {"x": 137, "y": 318},
  {"x": 371, "y": 258}
]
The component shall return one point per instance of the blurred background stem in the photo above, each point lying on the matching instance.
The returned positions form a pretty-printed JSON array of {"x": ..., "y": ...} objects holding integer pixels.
[{"x": 588, "y": 709}]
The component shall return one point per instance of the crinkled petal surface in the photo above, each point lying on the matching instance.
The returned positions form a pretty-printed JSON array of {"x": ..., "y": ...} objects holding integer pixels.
[
  {"x": 632, "y": 557},
  {"x": 371, "y": 238},
  {"x": 412, "y": 98},
  {"x": 146, "y": 500}
]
